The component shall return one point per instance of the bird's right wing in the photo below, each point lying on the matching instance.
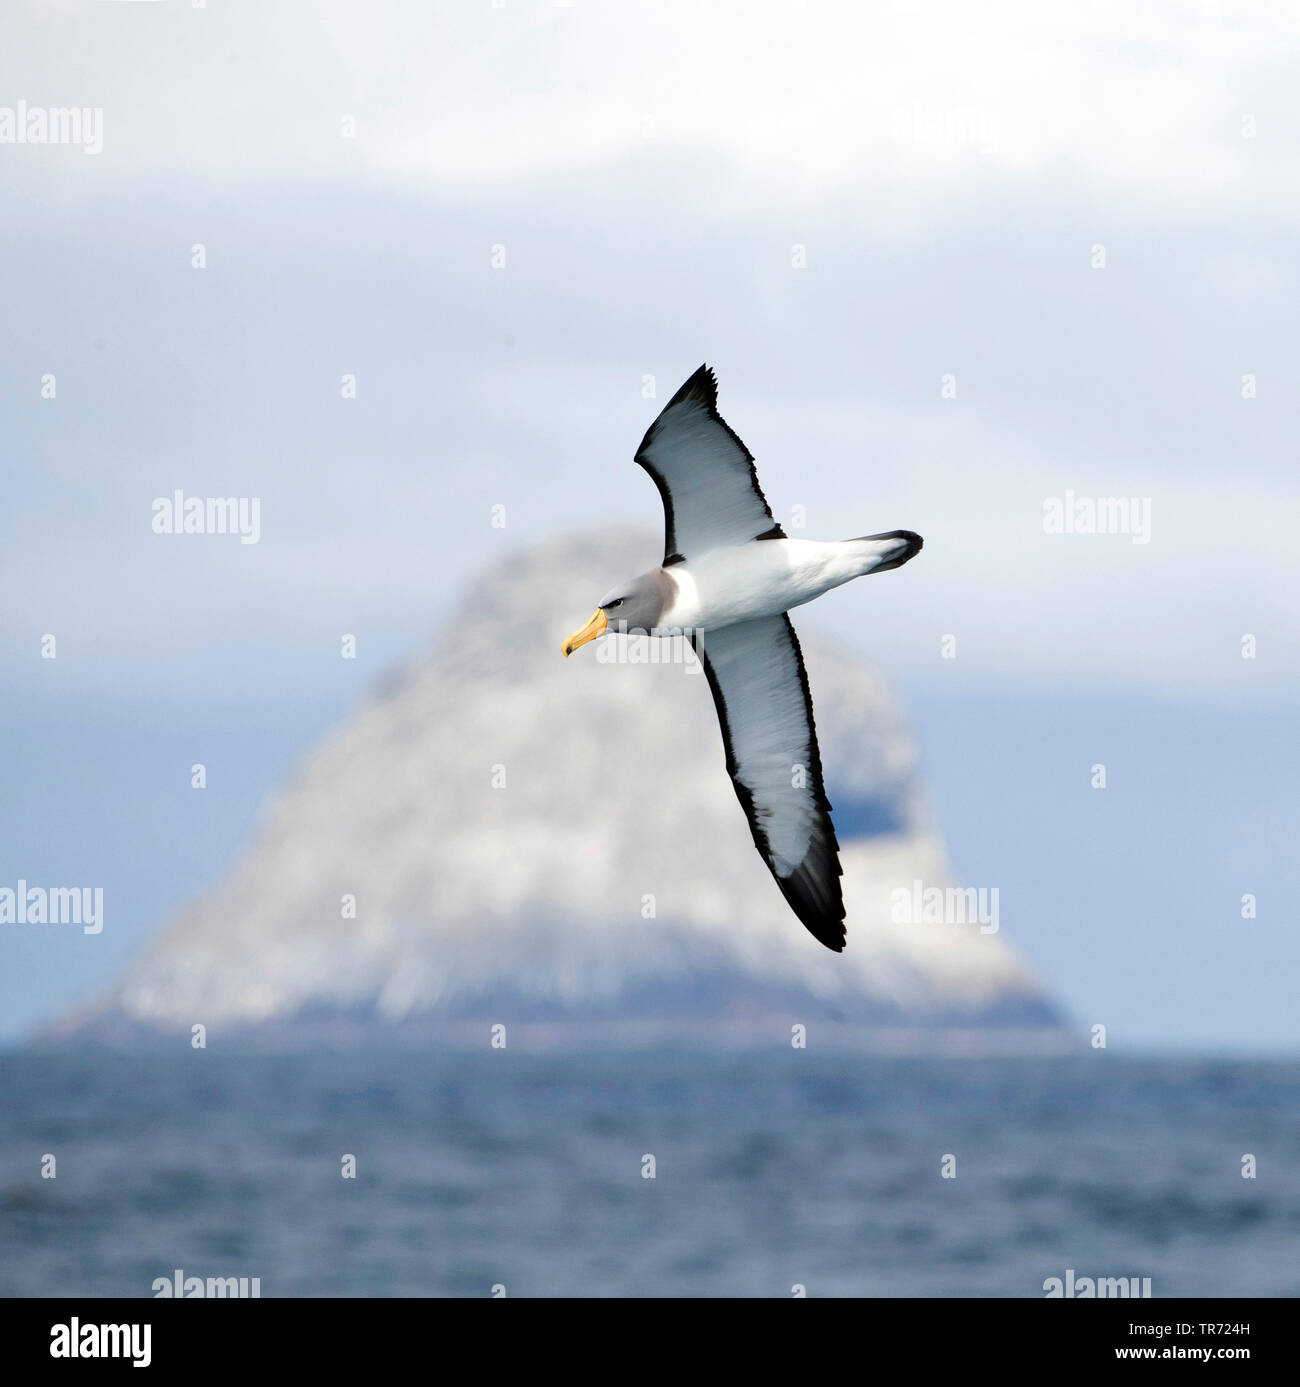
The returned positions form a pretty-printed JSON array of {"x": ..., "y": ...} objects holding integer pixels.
[
  {"x": 760, "y": 687},
  {"x": 705, "y": 475}
]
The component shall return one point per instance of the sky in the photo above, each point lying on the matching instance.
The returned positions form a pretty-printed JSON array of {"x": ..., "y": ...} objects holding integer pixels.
[{"x": 955, "y": 267}]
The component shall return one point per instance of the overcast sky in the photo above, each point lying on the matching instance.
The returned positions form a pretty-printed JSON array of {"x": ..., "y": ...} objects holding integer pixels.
[{"x": 950, "y": 263}]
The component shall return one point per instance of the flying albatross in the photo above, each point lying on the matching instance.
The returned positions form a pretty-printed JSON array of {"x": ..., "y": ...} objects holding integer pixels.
[{"x": 728, "y": 579}]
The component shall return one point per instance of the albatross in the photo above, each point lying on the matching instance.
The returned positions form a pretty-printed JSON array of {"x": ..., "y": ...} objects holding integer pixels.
[{"x": 729, "y": 577}]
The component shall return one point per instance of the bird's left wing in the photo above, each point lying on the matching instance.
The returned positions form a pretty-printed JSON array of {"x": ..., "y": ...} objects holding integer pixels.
[
  {"x": 756, "y": 672},
  {"x": 705, "y": 475}
]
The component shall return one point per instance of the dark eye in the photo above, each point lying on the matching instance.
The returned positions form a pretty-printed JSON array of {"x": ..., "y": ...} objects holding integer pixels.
[{"x": 617, "y": 602}]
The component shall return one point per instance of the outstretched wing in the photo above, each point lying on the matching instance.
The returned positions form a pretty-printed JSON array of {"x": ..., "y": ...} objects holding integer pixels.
[
  {"x": 705, "y": 475},
  {"x": 756, "y": 672}
]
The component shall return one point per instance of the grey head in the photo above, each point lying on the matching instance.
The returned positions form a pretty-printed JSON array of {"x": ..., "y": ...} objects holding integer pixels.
[{"x": 634, "y": 607}]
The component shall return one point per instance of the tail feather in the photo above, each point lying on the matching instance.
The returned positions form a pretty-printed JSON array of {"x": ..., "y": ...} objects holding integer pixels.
[{"x": 892, "y": 550}]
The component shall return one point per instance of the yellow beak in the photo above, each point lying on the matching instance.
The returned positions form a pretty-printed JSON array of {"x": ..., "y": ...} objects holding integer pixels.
[{"x": 588, "y": 633}]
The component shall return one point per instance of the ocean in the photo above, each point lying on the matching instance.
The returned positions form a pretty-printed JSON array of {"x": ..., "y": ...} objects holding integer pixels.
[{"x": 532, "y": 1172}]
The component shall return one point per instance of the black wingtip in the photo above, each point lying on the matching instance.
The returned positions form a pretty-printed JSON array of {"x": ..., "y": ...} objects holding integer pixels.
[
  {"x": 818, "y": 902},
  {"x": 701, "y": 387}
]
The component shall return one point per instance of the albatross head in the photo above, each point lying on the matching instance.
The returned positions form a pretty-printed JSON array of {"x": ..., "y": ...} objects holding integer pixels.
[{"x": 636, "y": 606}]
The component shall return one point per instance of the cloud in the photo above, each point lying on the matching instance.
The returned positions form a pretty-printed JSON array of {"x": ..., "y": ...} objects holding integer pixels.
[
  {"x": 946, "y": 174},
  {"x": 915, "y": 101}
]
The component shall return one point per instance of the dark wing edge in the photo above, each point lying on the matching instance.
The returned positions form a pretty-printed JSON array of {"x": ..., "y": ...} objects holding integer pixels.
[
  {"x": 701, "y": 389},
  {"x": 813, "y": 890}
]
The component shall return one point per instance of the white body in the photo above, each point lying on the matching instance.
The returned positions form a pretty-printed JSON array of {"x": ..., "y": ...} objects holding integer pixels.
[{"x": 761, "y": 579}]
